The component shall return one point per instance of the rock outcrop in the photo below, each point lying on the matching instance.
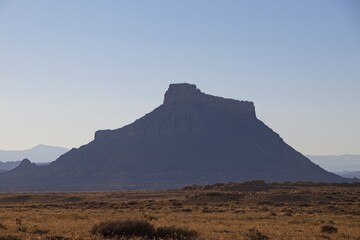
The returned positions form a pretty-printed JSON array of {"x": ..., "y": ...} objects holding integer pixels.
[{"x": 189, "y": 94}]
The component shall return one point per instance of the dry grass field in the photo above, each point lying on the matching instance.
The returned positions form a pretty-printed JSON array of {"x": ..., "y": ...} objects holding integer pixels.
[{"x": 252, "y": 210}]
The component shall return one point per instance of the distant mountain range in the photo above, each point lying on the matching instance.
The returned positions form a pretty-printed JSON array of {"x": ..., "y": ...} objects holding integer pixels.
[
  {"x": 38, "y": 154},
  {"x": 349, "y": 174},
  {"x": 346, "y": 165},
  {"x": 5, "y": 166},
  {"x": 192, "y": 138},
  {"x": 337, "y": 163}
]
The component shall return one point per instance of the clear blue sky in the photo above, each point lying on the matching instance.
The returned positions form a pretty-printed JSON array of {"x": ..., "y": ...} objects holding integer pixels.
[{"x": 69, "y": 68}]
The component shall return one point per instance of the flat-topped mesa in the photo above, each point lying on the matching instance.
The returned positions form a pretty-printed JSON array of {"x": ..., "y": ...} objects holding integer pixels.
[{"x": 189, "y": 94}]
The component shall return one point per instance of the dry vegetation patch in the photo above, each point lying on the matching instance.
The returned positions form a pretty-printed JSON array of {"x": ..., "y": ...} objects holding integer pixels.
[
  {"x": 254, "y": 234},
  {"x": 128, "y": 228},
  {"x": 329, "y": 229},
  {"x": 9, "y": 238},
  {"x": 141, "y": 229},
  {"x": 223, "y": 211}
]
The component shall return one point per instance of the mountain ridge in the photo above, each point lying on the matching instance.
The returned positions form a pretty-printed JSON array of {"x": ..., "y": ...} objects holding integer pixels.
[
  {"x": 40, "y": 153},
  {"x": 337, "y": 163}
]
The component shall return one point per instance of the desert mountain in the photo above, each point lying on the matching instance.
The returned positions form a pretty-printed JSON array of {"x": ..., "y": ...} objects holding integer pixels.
[
  {"x": 337, "y": 163},
  {"x": 5, "y": 166},
  {"x": 192, "y": 138},
  {"x": 350, "y": 174},
  {"x": 39, "y": 154}
]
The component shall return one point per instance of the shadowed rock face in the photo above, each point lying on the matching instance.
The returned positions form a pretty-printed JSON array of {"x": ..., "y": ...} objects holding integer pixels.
[
  {"x": 192, "y": 138},
  {"x": 188, "y": 94}
]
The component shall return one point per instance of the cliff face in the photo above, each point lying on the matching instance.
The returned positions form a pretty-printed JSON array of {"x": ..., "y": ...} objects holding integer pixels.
[
  {"x": 192, "y": 138},
  {"x": 188, "y": 94}
]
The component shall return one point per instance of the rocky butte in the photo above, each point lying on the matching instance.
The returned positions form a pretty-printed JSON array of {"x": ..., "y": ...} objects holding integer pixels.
[{"x": 192, "y": 138}]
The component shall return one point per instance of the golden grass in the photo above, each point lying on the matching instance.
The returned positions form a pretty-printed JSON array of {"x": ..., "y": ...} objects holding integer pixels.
[{"x": 282, "y": 212}]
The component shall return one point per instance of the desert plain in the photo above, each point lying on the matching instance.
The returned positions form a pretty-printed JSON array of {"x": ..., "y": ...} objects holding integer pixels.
[{"x": 231, "y": 211}]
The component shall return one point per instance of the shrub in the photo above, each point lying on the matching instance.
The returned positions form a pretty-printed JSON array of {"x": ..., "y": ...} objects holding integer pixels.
[
  {"x": 329, "y": 229},
  {"x": 128, "y": 228},
  {"x": 254, "y": 234},
  {"x": 175, "y": 233},
  {"x": 142, "y": 229},
  {"x": 9, "y": 238},
  {"x": 56, "y": 238},
  {"x": 2, "y": 226},
  {"x": 40, "y": 231}
]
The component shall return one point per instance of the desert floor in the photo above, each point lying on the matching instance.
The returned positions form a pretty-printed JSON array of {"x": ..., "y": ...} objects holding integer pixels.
[{"x": 221, "y": 211}]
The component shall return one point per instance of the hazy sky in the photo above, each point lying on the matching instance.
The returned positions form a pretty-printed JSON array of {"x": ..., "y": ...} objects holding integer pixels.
[{"x": 69, "y": 68}]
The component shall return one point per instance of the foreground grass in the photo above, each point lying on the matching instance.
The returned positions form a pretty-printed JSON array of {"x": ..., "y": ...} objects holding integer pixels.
[{"x": 215, "y": 212}]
